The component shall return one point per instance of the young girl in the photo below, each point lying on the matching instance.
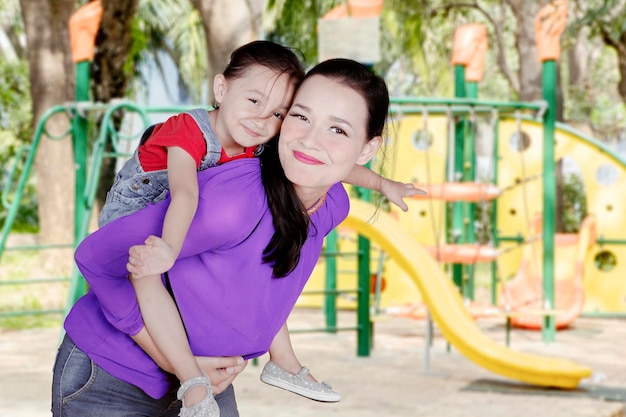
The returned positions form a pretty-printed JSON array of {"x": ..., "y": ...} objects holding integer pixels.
[
  {"x": 253, "y": 95},
  {"x": 234, "y": 289}
]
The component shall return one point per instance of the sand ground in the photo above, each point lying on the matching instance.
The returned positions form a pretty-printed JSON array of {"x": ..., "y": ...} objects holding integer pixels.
[{"x": 395, "y": 380}]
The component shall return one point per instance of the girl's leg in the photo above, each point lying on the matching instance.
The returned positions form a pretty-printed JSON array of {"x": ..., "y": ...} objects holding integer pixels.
[
  {"x": 226, "y": 400},
  {"x": 165, "y": 327},
  {"x": 80, "y": 388},
  {"x": 282, "y": 354},
  {"x": 285, "y": 371}
]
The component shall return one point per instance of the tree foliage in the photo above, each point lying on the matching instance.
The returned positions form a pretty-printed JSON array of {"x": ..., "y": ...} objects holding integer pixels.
[
  {"x": 173, "y": 29},
  {"x": 15, "y": 132}
]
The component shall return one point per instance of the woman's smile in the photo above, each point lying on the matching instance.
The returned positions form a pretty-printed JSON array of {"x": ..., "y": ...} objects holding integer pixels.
[{"x": 306, "y": 159}]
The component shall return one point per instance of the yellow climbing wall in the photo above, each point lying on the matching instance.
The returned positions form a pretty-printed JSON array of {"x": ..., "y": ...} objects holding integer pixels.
[
  {"x": 415, "y": 156},
  {"x": 604, "y": 179}
]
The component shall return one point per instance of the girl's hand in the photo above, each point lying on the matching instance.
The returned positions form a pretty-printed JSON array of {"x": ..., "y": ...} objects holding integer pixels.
[
  {"x": 396, "y": 192},
  {"x": 153, "y": 258},
  {"x": 222, "y": 371}
]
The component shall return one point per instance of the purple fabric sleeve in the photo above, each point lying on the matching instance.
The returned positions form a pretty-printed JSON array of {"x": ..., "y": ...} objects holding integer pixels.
[
  {"x": 228, "y": 299},
  {"x": 224, "y": 219}
]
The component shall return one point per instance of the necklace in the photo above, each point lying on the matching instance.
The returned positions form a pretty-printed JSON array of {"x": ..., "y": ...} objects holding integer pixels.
[{"x": 316, "y": 206}]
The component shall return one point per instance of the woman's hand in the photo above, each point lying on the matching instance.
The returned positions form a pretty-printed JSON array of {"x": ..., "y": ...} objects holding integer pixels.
[{"x": 221, "y": 370}]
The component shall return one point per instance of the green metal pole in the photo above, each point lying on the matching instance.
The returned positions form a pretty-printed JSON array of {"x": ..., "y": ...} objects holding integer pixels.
[
  {"x": 548, "y": 329},
  {"x": 459, "y": 163},
  {"x": 364, "y": 332},
  {"x": 78, "y": 286},
  {"x": 20, "y": 183},
  {"x": 469, "y": 174},
  {"x": 364, "y": 323},
  {"x": 77, "y": 282},
  {"x": 79, "y": 136},
  {"x": 330, "y": 299},
  {"x": 495, "y": 237}
]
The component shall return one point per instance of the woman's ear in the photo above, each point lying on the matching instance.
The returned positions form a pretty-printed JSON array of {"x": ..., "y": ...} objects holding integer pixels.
[
  {"x": 369, "y": 150},
  {"x": 219, "y": 87}
]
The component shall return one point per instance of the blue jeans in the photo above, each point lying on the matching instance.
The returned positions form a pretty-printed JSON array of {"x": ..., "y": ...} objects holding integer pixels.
[{"x": 80, "y": 388}]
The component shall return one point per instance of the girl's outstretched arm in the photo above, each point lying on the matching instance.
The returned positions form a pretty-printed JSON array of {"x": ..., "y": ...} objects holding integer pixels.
[{"x": 395, "y": 191}]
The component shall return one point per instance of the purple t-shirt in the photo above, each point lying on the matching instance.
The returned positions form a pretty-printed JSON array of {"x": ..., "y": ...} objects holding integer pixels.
[{"x": 228, "y": 300}]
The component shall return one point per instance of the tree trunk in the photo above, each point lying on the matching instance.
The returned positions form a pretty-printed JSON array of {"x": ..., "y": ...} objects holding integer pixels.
[
  {"x": 529, "y": 65},
  {"x": 227, "y": 24},
  {"x": 52, "y": 83},
  {"x": 530, "y": 68},
  {"x": 109, "y": 74},
  {"x": 619, "y": 45}
]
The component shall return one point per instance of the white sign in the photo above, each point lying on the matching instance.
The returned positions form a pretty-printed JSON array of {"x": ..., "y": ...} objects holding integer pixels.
[{"x": 349, "y": 37}]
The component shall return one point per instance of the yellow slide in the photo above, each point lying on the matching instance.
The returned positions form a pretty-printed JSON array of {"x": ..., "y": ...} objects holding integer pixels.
[{"x": 447, "y": 309}]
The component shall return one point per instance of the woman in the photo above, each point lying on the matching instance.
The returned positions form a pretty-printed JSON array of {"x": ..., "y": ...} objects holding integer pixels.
[{"x": 232, "y": 304}]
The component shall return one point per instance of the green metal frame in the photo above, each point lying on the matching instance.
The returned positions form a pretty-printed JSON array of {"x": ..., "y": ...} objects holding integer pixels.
[
  {"x": 87, "y": 178},
  {"x": 548, "y": 328}
]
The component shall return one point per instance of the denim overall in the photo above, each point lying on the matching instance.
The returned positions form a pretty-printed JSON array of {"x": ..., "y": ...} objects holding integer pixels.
[{"x": 134, "y": 188}]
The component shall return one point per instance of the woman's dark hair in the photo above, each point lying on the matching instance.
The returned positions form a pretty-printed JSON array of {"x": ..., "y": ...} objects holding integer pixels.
[
  {"x": 291, "y": 221},
  {"x": 371, "y": 87},
  {"x": 278, "y": 58}
]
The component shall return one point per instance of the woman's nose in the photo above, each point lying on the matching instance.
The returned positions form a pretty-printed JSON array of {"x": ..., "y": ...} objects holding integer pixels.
[{"x": 308, "y": 137}]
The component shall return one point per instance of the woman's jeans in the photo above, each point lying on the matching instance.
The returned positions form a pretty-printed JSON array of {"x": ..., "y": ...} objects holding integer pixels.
[{"x": 80, "y": 388}]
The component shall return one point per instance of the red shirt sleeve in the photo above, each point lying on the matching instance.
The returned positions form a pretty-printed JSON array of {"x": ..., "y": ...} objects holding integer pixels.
[{"x": 180, "y": 130}]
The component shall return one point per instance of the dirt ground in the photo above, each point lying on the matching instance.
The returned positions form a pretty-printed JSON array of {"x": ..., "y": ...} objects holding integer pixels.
[{"x": 395, "y": 380}]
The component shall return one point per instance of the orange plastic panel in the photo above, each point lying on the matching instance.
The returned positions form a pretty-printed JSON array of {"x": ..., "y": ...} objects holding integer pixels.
[
  {"x": 459, "y": 191},
  {"x": 474, "y": 70},
  {"x": 467, "y": 41},
  {"x": 356, "y": 8},
  {"x": 549, "y": 25},
  {"x": 83, "y": 26},
  {"x": 463, "y": 254}
]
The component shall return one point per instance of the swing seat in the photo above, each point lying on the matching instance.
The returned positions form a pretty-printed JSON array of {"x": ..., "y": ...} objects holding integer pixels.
[{"x": 522, "y": 297}]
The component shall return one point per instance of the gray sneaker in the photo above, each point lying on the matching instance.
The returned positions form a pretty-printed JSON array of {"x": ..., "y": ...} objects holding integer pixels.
[
  {"x": 205, "y": 408},
  {"x": 319, "y": 391}
]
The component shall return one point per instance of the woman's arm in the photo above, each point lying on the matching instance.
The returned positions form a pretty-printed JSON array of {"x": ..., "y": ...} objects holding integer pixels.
[{"x": 221, "y": 370}]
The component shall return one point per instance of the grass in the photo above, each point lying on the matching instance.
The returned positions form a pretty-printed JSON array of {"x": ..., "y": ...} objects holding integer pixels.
[{"x": 30, "y": 298}]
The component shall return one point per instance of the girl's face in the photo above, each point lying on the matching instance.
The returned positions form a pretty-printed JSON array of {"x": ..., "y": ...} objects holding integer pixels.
[
  {"x": 324, "y": 135},
  {"x": 252, "y": 107}
]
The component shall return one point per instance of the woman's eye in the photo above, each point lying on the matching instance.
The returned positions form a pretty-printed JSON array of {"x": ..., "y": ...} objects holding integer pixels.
[
  {"x": 253, "y": 100},
  {"x": 338, "y": 131},
  {"x": 279, "y": 116},
  {"x": 298, "y": 116}
]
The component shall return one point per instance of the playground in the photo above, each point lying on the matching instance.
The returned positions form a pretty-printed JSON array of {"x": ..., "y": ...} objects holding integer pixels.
[
  {"x": 393, "y": 381},
  {"x": 403, "y": 330}
]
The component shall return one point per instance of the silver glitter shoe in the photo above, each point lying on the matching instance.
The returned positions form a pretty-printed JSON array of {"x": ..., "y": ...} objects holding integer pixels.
[
  {"x": 319, "y": 391},
  {"x": 207, "y": 407}
]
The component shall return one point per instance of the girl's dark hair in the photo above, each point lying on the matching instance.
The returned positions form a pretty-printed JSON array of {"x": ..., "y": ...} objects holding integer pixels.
[
  {"x": 278, "y": 58},
  {"x": 291, "y": 221}
]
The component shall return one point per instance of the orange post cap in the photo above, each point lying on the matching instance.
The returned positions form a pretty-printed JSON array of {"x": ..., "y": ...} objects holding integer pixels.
[
  {"x": 549, "y": 25},
  {"x": 474, "y": 70},
  {"x": 356, "y": 8},
  {"x": 467, "y": 40},
  {"x": 83, "y": 27}
]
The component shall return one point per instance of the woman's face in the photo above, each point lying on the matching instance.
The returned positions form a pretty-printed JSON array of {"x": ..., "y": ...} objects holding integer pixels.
[{"x": 324, "y": 134}]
